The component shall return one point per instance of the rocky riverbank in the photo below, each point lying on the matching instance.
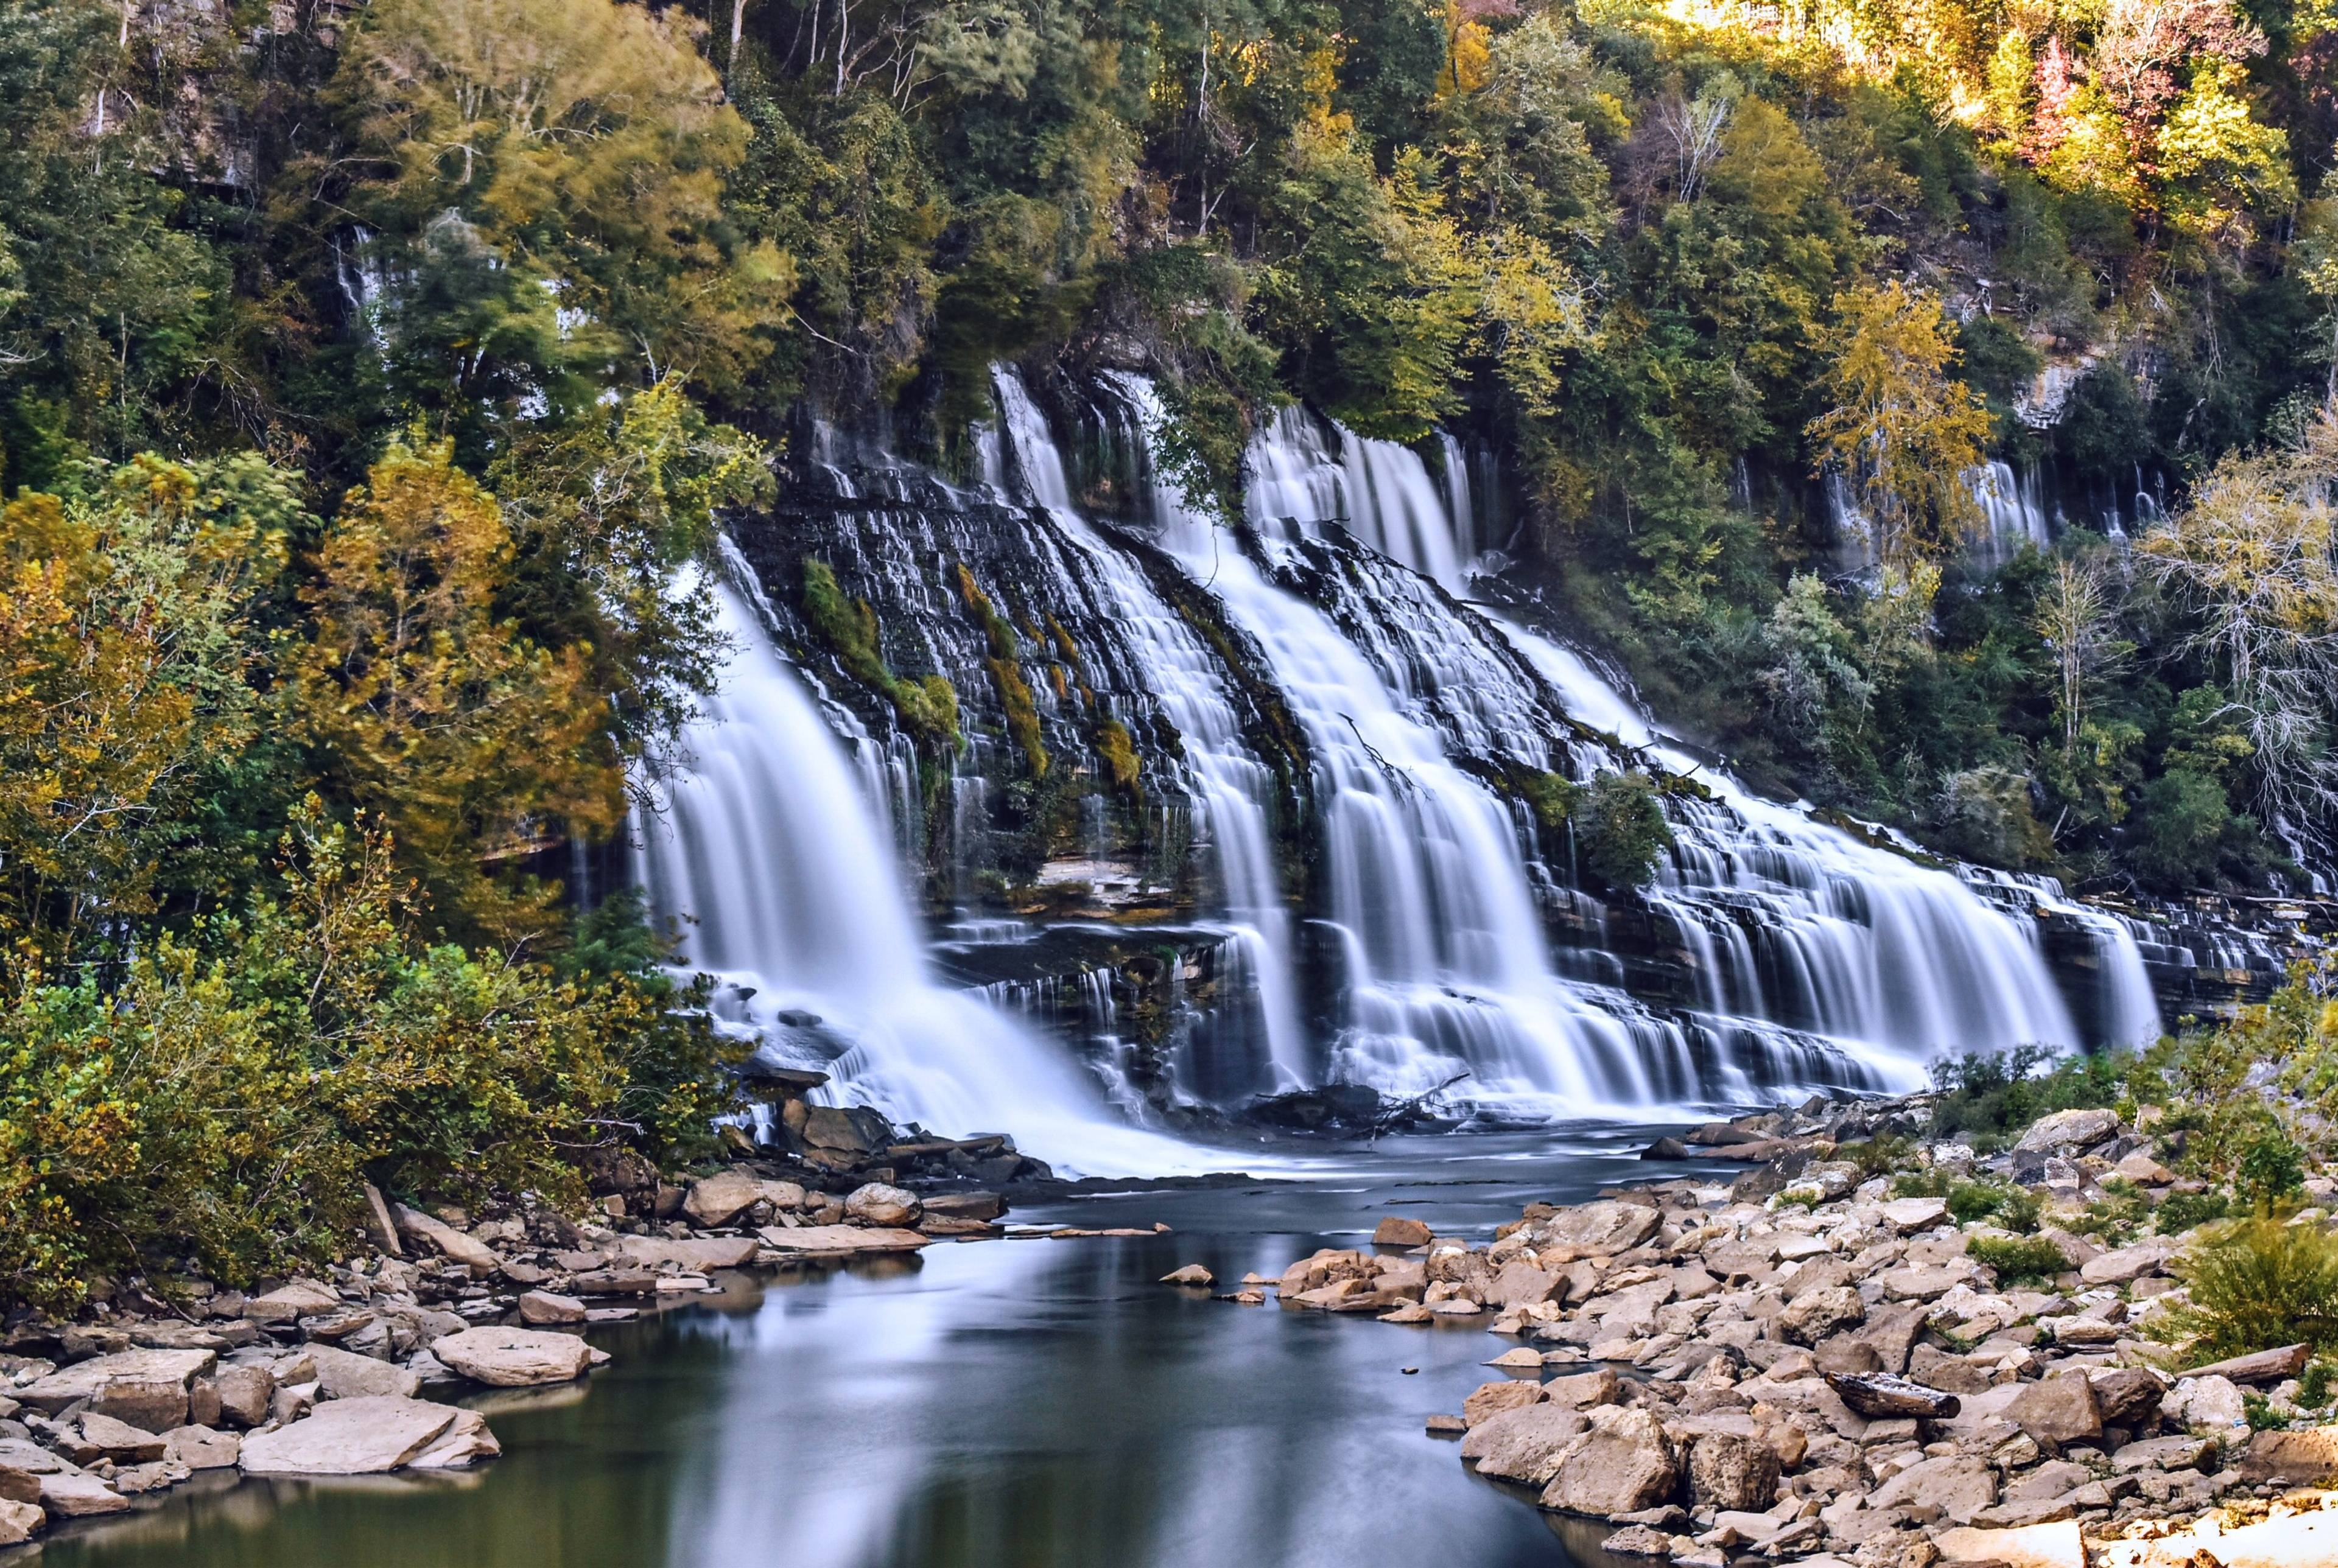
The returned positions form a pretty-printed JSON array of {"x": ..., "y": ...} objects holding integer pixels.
[
  {"x": 1817, "y": 1361},
  {"x": 326, "y": 1373}
]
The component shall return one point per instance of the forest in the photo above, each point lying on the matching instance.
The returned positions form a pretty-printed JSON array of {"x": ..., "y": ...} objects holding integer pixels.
[{"x": 368, "y": 372}]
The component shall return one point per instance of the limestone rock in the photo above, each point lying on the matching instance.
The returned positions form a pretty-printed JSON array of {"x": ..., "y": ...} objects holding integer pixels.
[
  {"x": 126, "y": 1377},
  {"x": 2128, "y": 1263},
  {"x": 466, "y": 1442},
  {"x": 71, "y": 1494},
  {"x": 2054, "y": 1545},
  {"x": 244, "y": 1393},
  {"x": 1729, "y": 1470},
  {"x": 878, "y": 1203},
  {"x": 1878, "y": 1397},
  {"x": 720, "y": 1198},
  {"x": 2066, "y": 1130},
  {"x": 1524, "y": 1444},
  {"x": 2307, "y": 1458},
  {"x": 695, "y": 1255},
  {"x": 1191, "y": 1274},
  {"x": 1583, "y": 1389},
  {"x": 2059, "y": 1410},
  {"x": 19, "y": 1521},
  {"x": 543, "y": 1306},
  {"x": 2191, "y": 1453},
  {"x": 1821, "y": 1313},
  {"x": 346, "y": 1374},
  {"x": 1623, "y": 1464},
  {"x": 1605, "y": 1226},
  {"x": 1399, "y": 1232},
  {"x": 819, "y": 1241},
  {"x": 2211, "y": 1405},
  {"x": 1490, "y": 1399},
  {"x": 1957, "y": 1484},
  {"x": 514, "y": 1357},
  {"x": 2127, "y": 1397},
  {"x": 444, "y": 1239},
  {"x": 1910, "y": 1215},
  {"x": 348, "y": 1438},
  {"x": 119, "y": 1441},
  {"x": 202, "y": 1447}
]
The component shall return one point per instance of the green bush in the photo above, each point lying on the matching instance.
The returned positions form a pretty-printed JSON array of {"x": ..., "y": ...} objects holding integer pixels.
[
  {"x": 2257, "y": 1285},
  {"x": 1620, "y": 829},
  {"x": 2181, "y": 1212},
  {"x": 2011, "y": 1208},
  {"x": 2019, "y": 1258},
  {"x": 2000, "y": 1095}
]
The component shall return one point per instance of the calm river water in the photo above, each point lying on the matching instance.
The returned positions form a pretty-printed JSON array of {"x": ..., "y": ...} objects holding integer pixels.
[{"x": 1024, "y": 1404}]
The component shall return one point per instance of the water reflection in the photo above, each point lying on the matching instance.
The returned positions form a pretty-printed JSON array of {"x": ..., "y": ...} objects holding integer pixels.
[{"x": 1033, "y": 1403}]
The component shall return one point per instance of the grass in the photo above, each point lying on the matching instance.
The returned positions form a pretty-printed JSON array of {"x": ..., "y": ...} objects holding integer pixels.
[
  {"x": 2258, "y": 1284},
  {"x": 2016, "y": 1259}
]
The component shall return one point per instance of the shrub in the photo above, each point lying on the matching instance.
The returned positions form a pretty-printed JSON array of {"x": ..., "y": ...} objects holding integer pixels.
[
  {"x": 2257, "y": 1285},
  {"x": 2019, "y": 1258},
  {"x": 2181, "y": 1212},
  {"x": 1877, "y": 1156},
  {"x": 1621, "y": 829},
  {"x": 2002, "y": 1094},
  {"x": 2010, "y": 1207}
]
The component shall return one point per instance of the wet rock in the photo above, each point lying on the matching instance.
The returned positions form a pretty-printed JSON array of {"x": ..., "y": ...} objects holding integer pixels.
[
  {"x": 978, "y": 1206},
  {"x": 1524, "y": 1444},
  {"x": 1623, "y": 1464},
  {"x": 1191, "y": 1274},
  {"x": 515, "y": 1358},
  {"x": 347, "y": 1437},
  {"x": 1732, "y": 1470},
  {"x": 879, "y": 1204},
  {"x": 1396, "y": 1231}
]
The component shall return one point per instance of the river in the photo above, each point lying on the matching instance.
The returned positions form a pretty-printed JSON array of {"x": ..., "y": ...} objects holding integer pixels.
[{"x": 1039, "y": 1404}]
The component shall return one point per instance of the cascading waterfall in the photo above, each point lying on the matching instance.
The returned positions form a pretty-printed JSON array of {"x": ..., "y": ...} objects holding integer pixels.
[
  {"x": 1378, "y": 491},
  {"x": 763, "y": 848}
]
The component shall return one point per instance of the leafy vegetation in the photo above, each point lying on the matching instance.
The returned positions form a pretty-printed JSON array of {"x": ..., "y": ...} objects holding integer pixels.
[
  {"x": 2019, "y": 1258},
  {"x": 1999, "y": 1097},
  {"x": 2260, "y": 1284}
]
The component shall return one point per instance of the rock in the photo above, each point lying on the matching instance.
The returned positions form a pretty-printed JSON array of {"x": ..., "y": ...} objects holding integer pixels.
[
  {"x": 2265, "y": 1367},
  {"x": 347, "y": 1437},
  {"x": 380, "y": 1222},
  {"x": 1821, "y": 1313},
  {"x": 1638, "y": 1541},
  {"x": 466, "y": 1442},
  {"x": 2187, "y": 1454},
  {"x": 514, "y": 1357},
  {"x": 1521, "y": 1359},
  {"x": 2307, "y": 1458},
  {"x": 876, "y": 1203},
  {"x": 1665, "y": 1149},
  {"x": 1878, "y": 1397},
  {"x": 71, "y": 1494},
  {"x": 695, "y": 1255},
  {"x": 2210, "y": 1404},
  {"x": 1490, "y": 1399},
  {"x": 244, "y": 1393},
  {"x": 19, "y": 1521},
  {"x": 1397, "y": 1232},
  {"x": 813, "y": 1241},
  {"x": 202, "y": 1447},
  {"x": 1622, "y": 1464},
  {"x": 1583, "y": 1389},
  {"x": 1445, "y": 1426},
  {"x": 846, "y": 1130},
  {"x": 1957, "y": 1485},
  {"x": 2139, "y": 1166},
  {"x": 2059, "y": 1410},
  {"x": 1605, "y": 1226},
  {"x": 1191, "y": 1274},
  {"x": 720, "y": 1198},
  {"x": 2127, "y": 1397},
  {"x": 346, "y": 1374},
  {"x": 1910, "y": 1215},
  {"x": 1523, "y": 1285},
  {"x": 2067, "y": 1130},
  {"x": 2054, "y": 1545},
  {"x": 614, "y": 1282},
  {"x": 541, "y": 1306},
  {"x": 1731, "y": 1470},
  {"x": 146, "y": 1388},
  {"x": 444, "y": 1239},
  {"x": 1893, "y": 1332},
  {"x": 119, "y": 1441},
  {"x": 1524, "y": 1444},
  {"x": 300, "y": 1298},
  {"x": 2128, "y": 1263},
  {"x": 982, "y": 1206}
]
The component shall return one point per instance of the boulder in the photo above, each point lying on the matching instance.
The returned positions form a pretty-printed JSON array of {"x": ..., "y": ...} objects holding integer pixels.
[
  {"x": 2056, "y": 1545},
  {"x": 244, "y": 1393},
  {"x": 1957, "y": 1485},
  {"x": 19, "y": 1521},
  {"x": 300, "y": 1298},
  {"x": 695, "y": 1255},
  {"x": 543, "y": 1306},
  {"x": 1879, "y": 1397},
  {"x": 846, "y": 1130},
  {"x": 146, "y": 1388},
  {"x": 2185, "y": 1454},
  {"x": 2307, "y": 1458},
  {"x": 883, "y": 1205},
  {"x": 444, "y": 1239},
  {"x": 2058, "y": 1410},
  {"x": 119, "y": 1441},
  {"x": 1910, "y": 1215},
  {"x": 1491, "y": 1398},
  {"x": 348, "y": 1438},
  {"x": 2128, "y": 1263},
  {"x": 1622, "y": 1464},
  {"x": 1819, "y": 1314},
  {"x": 819, "y": 1241},
  {"x": 2210, "y": 1405},
  {"x": 202, "y": 1447},
  {"x": 1191, "y": 1274},
  {"x": 1605, "y": 1226},
  {"x": 2127, "y": 1397},
  {"x": 1397, "y": 1232},
  {"x": 466, "y": 1442},
  {"x": 71, "y": 1494},
  {"x": 1523, "y": 1285},
  {"x": 1731, "y": 1470},
  {"x": 1583, "y": 1389},
  {"x": 1524, "y": 1444},
  {"x": 346, "y": 1374},
  {"x": 2067, "y": 1130},
  {"x": 2265, "y": 1367},
  {"x": 720, "y": 1198},
  {"x": 978, "y": 1206},
  {"x": 514, "y": 1357}
]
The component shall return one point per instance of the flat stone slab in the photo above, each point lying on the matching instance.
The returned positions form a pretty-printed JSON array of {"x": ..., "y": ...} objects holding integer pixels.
[
  {"x": 348, "y": 1438},
  {"x": 811, "y": 1240},
  {"x": 87, "y": 1379},
  {"x": 697, "y": 1253},
  {"x": 514, "y": 1357},
  {"x": 70, "y": 1496}
]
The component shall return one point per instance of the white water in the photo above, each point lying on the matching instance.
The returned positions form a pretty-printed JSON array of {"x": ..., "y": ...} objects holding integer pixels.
[
  {"x": 1378, "y": 491},
  {"x": 766, "y": 850}
]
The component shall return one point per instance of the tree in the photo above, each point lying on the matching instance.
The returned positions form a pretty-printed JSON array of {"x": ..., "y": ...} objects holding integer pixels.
[
  {"x": 478, "y": 746},
  {"x": 1901, "y": 429},
  {"x": 2075, "y": 617}
]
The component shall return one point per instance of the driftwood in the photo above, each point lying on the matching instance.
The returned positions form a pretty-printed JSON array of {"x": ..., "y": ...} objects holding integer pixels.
[
  {"x": 1403, "y": 1112},
  {"x": 1879, "y": 1397},
  {"x": 2265, "y": 1367}
]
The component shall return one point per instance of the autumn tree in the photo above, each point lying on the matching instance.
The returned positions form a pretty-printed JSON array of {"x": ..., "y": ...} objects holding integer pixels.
[
  {"x": 476, "y": 745},
  {"x": 1901, "y": 431}
]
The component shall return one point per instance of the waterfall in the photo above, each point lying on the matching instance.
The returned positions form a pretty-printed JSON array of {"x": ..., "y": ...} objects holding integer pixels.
[
  {"x": 2012, "y": 513},
  {"x": 1378, "y": 492},
  {"x": 763, "y": 848}
]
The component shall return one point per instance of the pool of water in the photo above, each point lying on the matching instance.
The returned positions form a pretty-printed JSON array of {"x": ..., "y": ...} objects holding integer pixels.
[{"x": 1038, "y": 1404}]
